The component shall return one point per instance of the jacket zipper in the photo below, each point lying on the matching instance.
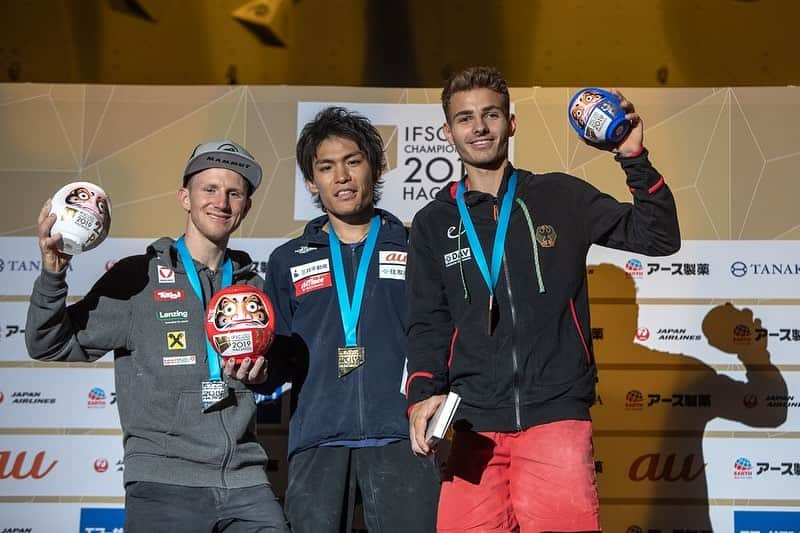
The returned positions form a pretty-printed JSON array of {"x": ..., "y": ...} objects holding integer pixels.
[
  {"x": 518, "y": 418},
  {"x": 228, "y": 440},
  {"x": 354, "y": 265},
  {"x": 515, "y": 363},
  {"x": 228, "y": 448}
]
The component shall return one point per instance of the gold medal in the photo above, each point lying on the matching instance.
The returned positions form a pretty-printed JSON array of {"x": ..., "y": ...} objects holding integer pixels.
[{"x": 350, "y": 358}]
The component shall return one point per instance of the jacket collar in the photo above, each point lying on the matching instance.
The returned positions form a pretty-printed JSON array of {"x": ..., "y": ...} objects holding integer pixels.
[
  {"x": 448, "y": 194},
  {"x": 167, "y": 253},
  {"x": 392, "y": 230}
]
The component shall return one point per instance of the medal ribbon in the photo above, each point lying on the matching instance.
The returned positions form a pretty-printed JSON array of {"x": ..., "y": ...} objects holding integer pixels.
[
  {"x": 499, "y": 235},
  {"x": 191, "y": 272},
  {"x": 351, "y": 310}
]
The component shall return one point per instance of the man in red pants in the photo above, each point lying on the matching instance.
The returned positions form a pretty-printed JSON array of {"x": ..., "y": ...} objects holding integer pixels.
[{"x": 499, "y": 313}]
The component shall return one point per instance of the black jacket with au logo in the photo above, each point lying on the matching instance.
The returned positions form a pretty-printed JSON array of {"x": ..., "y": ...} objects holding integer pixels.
[{"x": 538, "y": 364}]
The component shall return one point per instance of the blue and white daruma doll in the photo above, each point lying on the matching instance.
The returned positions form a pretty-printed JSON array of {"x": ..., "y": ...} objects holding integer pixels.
[{"x": 597, "y": 116}]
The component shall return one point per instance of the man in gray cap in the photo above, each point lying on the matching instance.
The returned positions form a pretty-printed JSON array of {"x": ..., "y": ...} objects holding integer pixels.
[{"x": 192, "y": 461}]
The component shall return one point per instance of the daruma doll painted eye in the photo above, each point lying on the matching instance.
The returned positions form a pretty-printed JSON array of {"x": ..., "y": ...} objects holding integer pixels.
[
  {"x": 239, "y": 322},
  {"x": 83, "y": 216},
  {"x": 597, "y": 116}
]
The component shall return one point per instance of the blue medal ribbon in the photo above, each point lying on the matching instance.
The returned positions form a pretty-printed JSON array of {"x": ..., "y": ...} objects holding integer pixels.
[
  {"x": 227, "y": 279},
  {"x": 499, "y": 235},
  {"x": 350, "y": 310}
]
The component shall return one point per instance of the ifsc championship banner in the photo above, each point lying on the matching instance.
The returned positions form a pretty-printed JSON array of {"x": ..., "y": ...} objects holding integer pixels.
[{"x": 420, "y": 160}]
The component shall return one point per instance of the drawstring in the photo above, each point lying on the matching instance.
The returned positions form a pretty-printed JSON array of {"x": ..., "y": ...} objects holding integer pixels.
[
  {"x": 533, "y": 241},
  {"x": 460, "y": 263}
]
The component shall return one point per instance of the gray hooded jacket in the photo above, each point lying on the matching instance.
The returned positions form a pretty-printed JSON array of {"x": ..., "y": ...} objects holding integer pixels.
[{"x": 154, "y": 323}]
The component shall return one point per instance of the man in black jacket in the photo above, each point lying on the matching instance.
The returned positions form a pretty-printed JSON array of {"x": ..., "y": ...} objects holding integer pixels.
[
  {"x": 339, "y": 294},
  {"x": 499, "y": 313}
]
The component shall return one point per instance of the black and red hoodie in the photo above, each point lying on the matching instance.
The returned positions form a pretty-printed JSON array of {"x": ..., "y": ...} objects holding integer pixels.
[{"x": 537, "y": 366}]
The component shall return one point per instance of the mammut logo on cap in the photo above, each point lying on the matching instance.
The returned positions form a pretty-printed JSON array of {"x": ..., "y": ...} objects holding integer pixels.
[
  {"x": 227, "y": 147},
  {"x": 227, "y": 162}
]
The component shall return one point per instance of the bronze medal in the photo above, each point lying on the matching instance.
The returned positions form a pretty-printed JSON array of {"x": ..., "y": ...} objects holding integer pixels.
[{"x": 350, "y": 358}]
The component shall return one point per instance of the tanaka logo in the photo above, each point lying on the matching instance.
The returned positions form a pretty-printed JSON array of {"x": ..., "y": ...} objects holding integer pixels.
[
  {"x": 742, "y": 468},
  {"x": 166, "y": 295},
  {"x": 24, "y": 265},
  {"x": 650, "y": 467},
  {"x": 739, "y": 269},
  {"x": 15, "y": 468},
  {"x": 97, "y": 398},
  {"x": 642, "y": 334},
  {"x": 634, "y": 268}
]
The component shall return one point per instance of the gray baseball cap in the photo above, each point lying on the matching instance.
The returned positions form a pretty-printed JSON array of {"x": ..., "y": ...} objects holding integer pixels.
[{"x": 224, "y": 154}]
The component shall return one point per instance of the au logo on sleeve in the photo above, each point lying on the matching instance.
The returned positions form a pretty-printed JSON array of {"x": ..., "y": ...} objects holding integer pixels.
[
  {"x": 176, "y": 340},
  {"x": 392, "y": 265}
]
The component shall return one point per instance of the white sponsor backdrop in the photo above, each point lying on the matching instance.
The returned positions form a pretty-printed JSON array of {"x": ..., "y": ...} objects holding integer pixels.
[
  {"x": 425, "y": 161},
  {"x": 58, "y": 398},
  {"x": 780, "y": 324},
  {"x": 61, "y": 465},
  {"x": 699, "y": 400},
  {"x": 712, "y": 269},
  {"x": 12, "y": 332},
  {"x": 774, "y": 463}
]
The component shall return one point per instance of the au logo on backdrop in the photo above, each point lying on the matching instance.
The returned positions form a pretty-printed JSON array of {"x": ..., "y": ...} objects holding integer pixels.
[{"x": 420, "y": 161}]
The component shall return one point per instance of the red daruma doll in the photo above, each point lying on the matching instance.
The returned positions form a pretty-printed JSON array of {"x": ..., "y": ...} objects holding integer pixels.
[{"x": 239, "y": 322}]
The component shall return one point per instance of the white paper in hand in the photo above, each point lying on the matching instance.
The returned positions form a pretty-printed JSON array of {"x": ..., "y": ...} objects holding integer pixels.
[{"x": 442, "y": 418}]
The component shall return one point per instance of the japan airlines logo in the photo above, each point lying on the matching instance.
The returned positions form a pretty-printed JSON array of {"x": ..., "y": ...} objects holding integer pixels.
[{"x": 100, "y": 465}]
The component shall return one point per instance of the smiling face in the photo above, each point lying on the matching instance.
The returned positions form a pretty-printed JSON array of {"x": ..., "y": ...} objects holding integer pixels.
[
  {"x": 343, "y": 178},
  {"x": 239, "y": 311},
  {"x": 479, "y": 127},
  {"x": 216, "y": 200},
  {"x": 88, "y": 199}
]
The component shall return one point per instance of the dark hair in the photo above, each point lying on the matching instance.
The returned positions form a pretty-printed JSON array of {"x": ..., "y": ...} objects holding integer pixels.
[
  {"x": 340, "y": 122},
  {"x": 475, "y": 78}
]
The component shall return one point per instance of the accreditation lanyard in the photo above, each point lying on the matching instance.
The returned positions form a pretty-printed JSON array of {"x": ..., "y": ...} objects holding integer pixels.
[
  {"x": 490, "y": 277},
  {"x": 349, "y": 309},
  {"x": 191, "y": 272}
]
